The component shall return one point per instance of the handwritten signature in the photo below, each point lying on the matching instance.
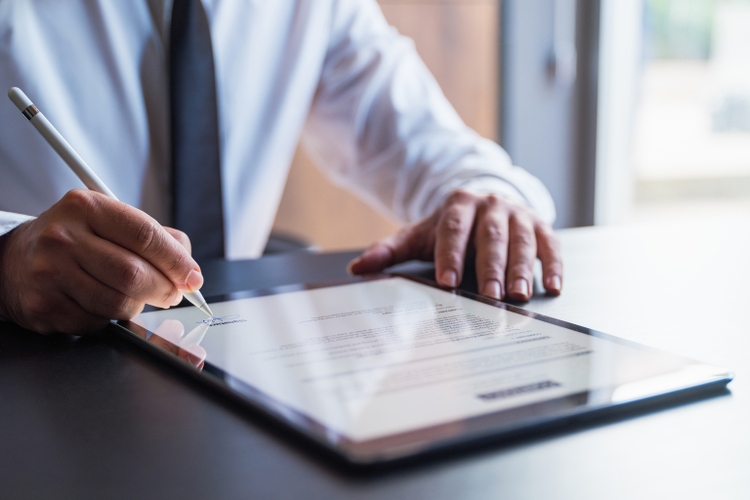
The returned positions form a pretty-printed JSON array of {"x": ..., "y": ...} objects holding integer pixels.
[{"x": 218, "y": 319}]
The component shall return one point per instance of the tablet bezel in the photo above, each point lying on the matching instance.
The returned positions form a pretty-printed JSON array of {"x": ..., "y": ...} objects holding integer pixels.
[{"x": 495, "y": 425}]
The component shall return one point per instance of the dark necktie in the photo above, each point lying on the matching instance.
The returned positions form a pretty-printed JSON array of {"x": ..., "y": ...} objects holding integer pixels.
[{"x": 196, "y": 168}]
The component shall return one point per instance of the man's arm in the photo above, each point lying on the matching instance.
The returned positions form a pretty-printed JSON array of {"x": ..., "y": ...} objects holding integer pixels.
[
  {"x": 381, "y": 125},
  {"x": 89, "y": 259}
]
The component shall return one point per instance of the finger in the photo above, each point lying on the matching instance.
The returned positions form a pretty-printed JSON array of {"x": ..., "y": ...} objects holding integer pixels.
[
  {"x": 99, "y": 299},
  {"x": 52, "y": 311},
  {"x": 549, "y": 253},
  {"x": 168, "y": 335},
  {"x": 72, "y": 319},
  {"x": 181, "y": 238},
  {"x": 171, "y": 329},
  {"x": 452, "y": 237},
  {"x": 126, "y": 273},
  {"x": 164, "y": 344},
  {"x": 521, "y": 256},
  {"x": 193, "y": 354},
  {"x": 132, "y": 229},
  {"x": 407, "y": 244},
  {"x": 491, "y": 243}
]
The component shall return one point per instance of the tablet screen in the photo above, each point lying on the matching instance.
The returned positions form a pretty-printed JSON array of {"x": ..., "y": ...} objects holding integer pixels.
[{"x": 380, "y": 360}]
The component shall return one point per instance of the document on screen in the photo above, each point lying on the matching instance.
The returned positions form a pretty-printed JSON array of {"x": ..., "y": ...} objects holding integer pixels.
[{"x": 388, "y": 356}]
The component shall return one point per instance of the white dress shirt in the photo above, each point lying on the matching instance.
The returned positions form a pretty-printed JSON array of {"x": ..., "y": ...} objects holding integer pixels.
[{"x": 331, "y": 72}]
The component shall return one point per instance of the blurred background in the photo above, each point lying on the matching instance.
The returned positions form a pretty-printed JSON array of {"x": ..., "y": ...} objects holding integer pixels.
[{"x": 630, "y": 111}]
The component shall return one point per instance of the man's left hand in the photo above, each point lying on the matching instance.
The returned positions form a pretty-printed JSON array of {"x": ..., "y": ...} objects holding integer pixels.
[{"x": 507, "y": 238}]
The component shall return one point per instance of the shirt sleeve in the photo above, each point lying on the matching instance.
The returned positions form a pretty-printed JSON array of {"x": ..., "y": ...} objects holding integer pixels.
[
  {"x": 9, "y": 221},
  {"x": 381, "y": 126}
]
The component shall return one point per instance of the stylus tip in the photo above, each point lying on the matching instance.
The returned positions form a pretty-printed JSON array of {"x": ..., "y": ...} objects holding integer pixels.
[{"x": 206, "y": 310}]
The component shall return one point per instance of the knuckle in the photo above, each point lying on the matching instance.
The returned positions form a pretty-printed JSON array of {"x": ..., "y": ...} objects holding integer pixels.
[
  {"x": 179, "y": 262},
  {"x": 453, "y": 225},
  {"x": 133, "y": 277},
  {"x": 119, "y": 306},
  {"x": 170, "y": 295},
  {"x": 522, "y": 251},
  {"x": 181, "y": 237},
  {"x": 80, "y": 200},
  {"x": 120, "y": 303},
  {"x": 492, "y": 233},
  {"x": 491, "y": 271},
  {"x": 452, "y": 260},
  {"x": 523, "y": 240},
  {"x": 493, "y": 201},
  {"x": 523, "y": 259},
  {"x": 147, "y": 236},
  {"x": 520, "y": 269},
  {"x": 460, "y": 196},
  {"x": 54, "y": 236}
]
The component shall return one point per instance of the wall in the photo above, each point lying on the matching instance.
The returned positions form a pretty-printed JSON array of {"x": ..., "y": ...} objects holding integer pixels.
[{"x": 458, "y": 40}]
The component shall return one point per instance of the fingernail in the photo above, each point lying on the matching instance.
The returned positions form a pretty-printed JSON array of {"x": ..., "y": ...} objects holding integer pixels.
[
  {"x": 555, "y": 284},
  {"x": 194, "y": 280},
  {"x": 449, "y": 278},
  {"x": 492, "y": 289},
  {"x": 177, "y": 301},
  {"x": 353, "y": 263},
  {"x": 520, "y": 287}
]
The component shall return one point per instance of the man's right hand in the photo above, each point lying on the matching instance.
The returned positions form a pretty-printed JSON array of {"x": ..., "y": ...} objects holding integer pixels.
[{"x": 89, "y": 259}]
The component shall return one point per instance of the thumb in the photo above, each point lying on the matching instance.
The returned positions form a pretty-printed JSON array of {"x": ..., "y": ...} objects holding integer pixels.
[{"x": 408, "y": 244}]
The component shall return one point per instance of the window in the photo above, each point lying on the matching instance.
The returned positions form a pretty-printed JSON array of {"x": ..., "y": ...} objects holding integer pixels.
[{"x": 674, "y": 109}]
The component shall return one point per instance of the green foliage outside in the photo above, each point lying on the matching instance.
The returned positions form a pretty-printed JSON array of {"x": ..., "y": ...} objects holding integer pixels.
[{"x": 680, "y": 29}]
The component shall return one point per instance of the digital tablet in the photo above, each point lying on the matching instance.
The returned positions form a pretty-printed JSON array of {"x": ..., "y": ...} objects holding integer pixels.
[{"x": 388, "y": 367}]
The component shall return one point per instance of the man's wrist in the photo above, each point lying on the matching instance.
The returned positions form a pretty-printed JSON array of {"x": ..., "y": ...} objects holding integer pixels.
[
  {"x": 6, "y": 241},
  {"x": 9, "y": 221}
]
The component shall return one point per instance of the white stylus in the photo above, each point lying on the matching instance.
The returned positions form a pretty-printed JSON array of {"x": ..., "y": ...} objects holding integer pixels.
[{"x": 77, "y": 165}]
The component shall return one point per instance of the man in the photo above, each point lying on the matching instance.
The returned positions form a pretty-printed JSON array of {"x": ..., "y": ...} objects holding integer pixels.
[{"x": 330, "y": 71}]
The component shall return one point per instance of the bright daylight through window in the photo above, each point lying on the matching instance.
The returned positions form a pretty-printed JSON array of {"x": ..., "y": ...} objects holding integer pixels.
[{"x": 691, "y": 139}]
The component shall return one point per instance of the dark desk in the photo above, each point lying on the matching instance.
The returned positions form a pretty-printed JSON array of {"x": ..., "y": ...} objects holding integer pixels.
[{"x": 95, "y": 418}]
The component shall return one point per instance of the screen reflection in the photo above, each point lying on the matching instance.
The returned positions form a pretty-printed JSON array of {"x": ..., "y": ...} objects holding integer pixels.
[{"x": 170, "y": 336}]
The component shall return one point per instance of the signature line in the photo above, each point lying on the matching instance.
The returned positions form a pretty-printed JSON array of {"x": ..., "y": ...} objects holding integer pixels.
[{"x": 218, "y": 319}]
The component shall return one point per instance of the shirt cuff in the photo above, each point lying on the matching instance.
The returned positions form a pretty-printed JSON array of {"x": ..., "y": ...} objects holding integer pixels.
[{"x": 10, "y": 221}]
